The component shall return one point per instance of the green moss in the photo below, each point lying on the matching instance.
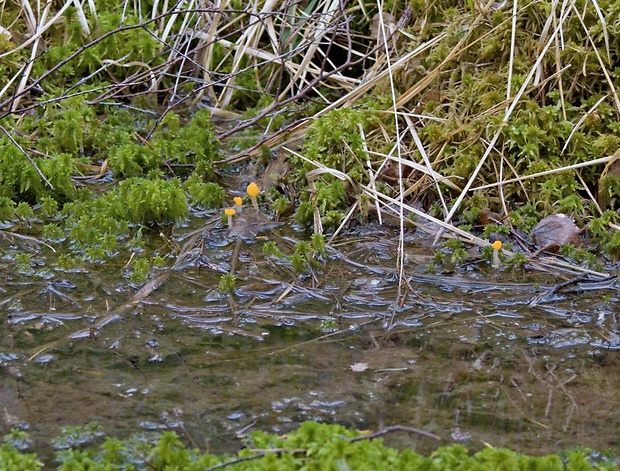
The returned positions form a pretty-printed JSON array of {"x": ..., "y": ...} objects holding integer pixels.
[
  {"x": 305, "y": 212},
  {"x": 23, "y": 261},
  {"x": 270, "y": 249},
  {"x": 52, "y": 233},
  {"x": 334, "y": 139},
  {"x": 67, "y": 262},
  {"x": 516, "y": 261},
  {"x": 299, "y": 262},
  {"x": 151, "y": 201},
  {"x": 11, "y": 459},
  {"x": 132, "y": 159},
  {"x": 455, "y": 251},
  {"x": 193, "y": 144},
  {"x": 7, "y": 208},
  {"x": 139, "y": 271},
  {"x": 227, "y": 284},
  {"x": 48, "y": 207},
  {"x": 24, "y": 211},
  {"x": 280, "y": 205},
  {"x": 580, "y": 256},
  {"x": 20, "y": 178},
  {"x": 318, "y": 244},
  {"x": 311, "y": 446},
  {"x": 494, "y": 229},
  {"x": 205, "y": 195}
]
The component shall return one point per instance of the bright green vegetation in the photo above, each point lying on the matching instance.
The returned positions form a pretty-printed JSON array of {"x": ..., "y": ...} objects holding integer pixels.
[
  {"x": 110, "y": 135},
  {"x": 565, "y": 117},
  {"x": 311, "y": 446},
  {"x": 98, "y": 173},
  {"x": 157, "y": 185},
  {"x": 227, "y": 284}
]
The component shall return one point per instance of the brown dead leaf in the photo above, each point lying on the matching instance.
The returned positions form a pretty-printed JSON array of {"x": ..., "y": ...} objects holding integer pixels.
[
  {"x": 276, "y": 171},
  {"x": 555, "y": 231},
  {"x": 486, "y": 216},
  {"x": 250, "y": 223},
  {"x": 390, "y": 172}
]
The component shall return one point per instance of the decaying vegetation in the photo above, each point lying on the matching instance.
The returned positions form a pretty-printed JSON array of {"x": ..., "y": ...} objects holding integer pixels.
[
  {"x": 136, "y": 133},
  {"x": 468, "y": 120}
]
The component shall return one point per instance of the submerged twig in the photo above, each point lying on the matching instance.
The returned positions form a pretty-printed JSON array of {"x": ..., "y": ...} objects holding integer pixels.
[
  {"x": 392, "y": 429},
  {"x": 138, "y": 297}
]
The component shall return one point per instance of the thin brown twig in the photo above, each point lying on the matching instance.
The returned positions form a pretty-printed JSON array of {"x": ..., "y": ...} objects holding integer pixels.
[
  {"x": 318, "y": 79},
  {"x": 396, "y": 428},
  {"x": 96, "y": 41},
  {"x": 242, "y": 460}
]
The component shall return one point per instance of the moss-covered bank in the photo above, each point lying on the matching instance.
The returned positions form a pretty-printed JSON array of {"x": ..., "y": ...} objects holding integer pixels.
[{"x": 311, "y": 446}]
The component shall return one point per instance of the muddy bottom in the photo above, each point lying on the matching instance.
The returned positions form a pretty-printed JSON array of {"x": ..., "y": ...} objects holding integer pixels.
[{"x": 477, "y": 356}]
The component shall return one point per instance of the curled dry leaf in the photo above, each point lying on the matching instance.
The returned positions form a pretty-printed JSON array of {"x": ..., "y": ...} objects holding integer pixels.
[
  {"x": 357, "y": 367},
  {"x": 555, "y": 231},
  {"x": 486, "y": 216}
]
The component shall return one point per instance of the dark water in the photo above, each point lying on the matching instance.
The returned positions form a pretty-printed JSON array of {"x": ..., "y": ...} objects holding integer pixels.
[{"x": 478, "y": 356}]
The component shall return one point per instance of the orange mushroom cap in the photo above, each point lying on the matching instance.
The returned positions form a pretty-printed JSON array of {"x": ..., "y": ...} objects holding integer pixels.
[
  {"x": 229, "y": 211},
  {"x": 253, "y": 190},
  {"x": 238, "y": 200},
  {"x": 497, "y": 245}
]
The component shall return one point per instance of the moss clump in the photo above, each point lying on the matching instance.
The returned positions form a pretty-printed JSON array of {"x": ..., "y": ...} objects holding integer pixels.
[
  {"x": 148, "y": 190},
  {"x": 139, "y": 270},
  {"x": 311, "y": 446},
  {"x": 11, "y": 458},
  {"x": 98, "y": 224},
  {"x": 132, "y": 159},
  {"x": 335, "y": 141},
  {"x": 151, "y": 201},
  {"x": 227, "y": 284},
  {"x": 204, "y": 195},
  {"x": 22, "y": 182}
]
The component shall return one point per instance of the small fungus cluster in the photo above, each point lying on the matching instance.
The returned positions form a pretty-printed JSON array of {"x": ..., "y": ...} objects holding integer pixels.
[
  {"x": 252, "y": 191},
  {"x": 497, "y": 246}
]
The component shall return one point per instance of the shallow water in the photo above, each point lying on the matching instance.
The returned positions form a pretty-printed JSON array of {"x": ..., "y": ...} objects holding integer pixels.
[{"x": 477, "y": 356}]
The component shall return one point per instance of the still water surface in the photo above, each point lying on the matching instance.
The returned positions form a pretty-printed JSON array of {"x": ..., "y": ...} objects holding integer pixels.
[{"x": 477, "y": 356}]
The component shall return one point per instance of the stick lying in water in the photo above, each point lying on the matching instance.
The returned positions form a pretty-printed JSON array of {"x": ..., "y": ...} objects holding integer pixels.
[
  {"x": 396, "y": 428},
  {"x": 187, "y": 252}
]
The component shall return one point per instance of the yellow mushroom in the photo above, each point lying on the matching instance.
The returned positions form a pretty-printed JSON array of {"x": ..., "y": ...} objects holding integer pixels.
[
  {"x": 497, "y": 246},
  {"x": 230, "y": 212},
  {"x": 253, "y": 191},
  {"x": 238, "y": 203}
]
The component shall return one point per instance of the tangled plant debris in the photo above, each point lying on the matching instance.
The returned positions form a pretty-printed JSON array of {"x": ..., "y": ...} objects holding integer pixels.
[
  {"x": 491, "y": 131},
  {"x": 457, "y": 112},
  {"x": 124, "y": 127}
]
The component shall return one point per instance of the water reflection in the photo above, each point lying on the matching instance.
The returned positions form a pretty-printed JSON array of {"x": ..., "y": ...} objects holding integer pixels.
[{"x": 469, "y": 357}]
